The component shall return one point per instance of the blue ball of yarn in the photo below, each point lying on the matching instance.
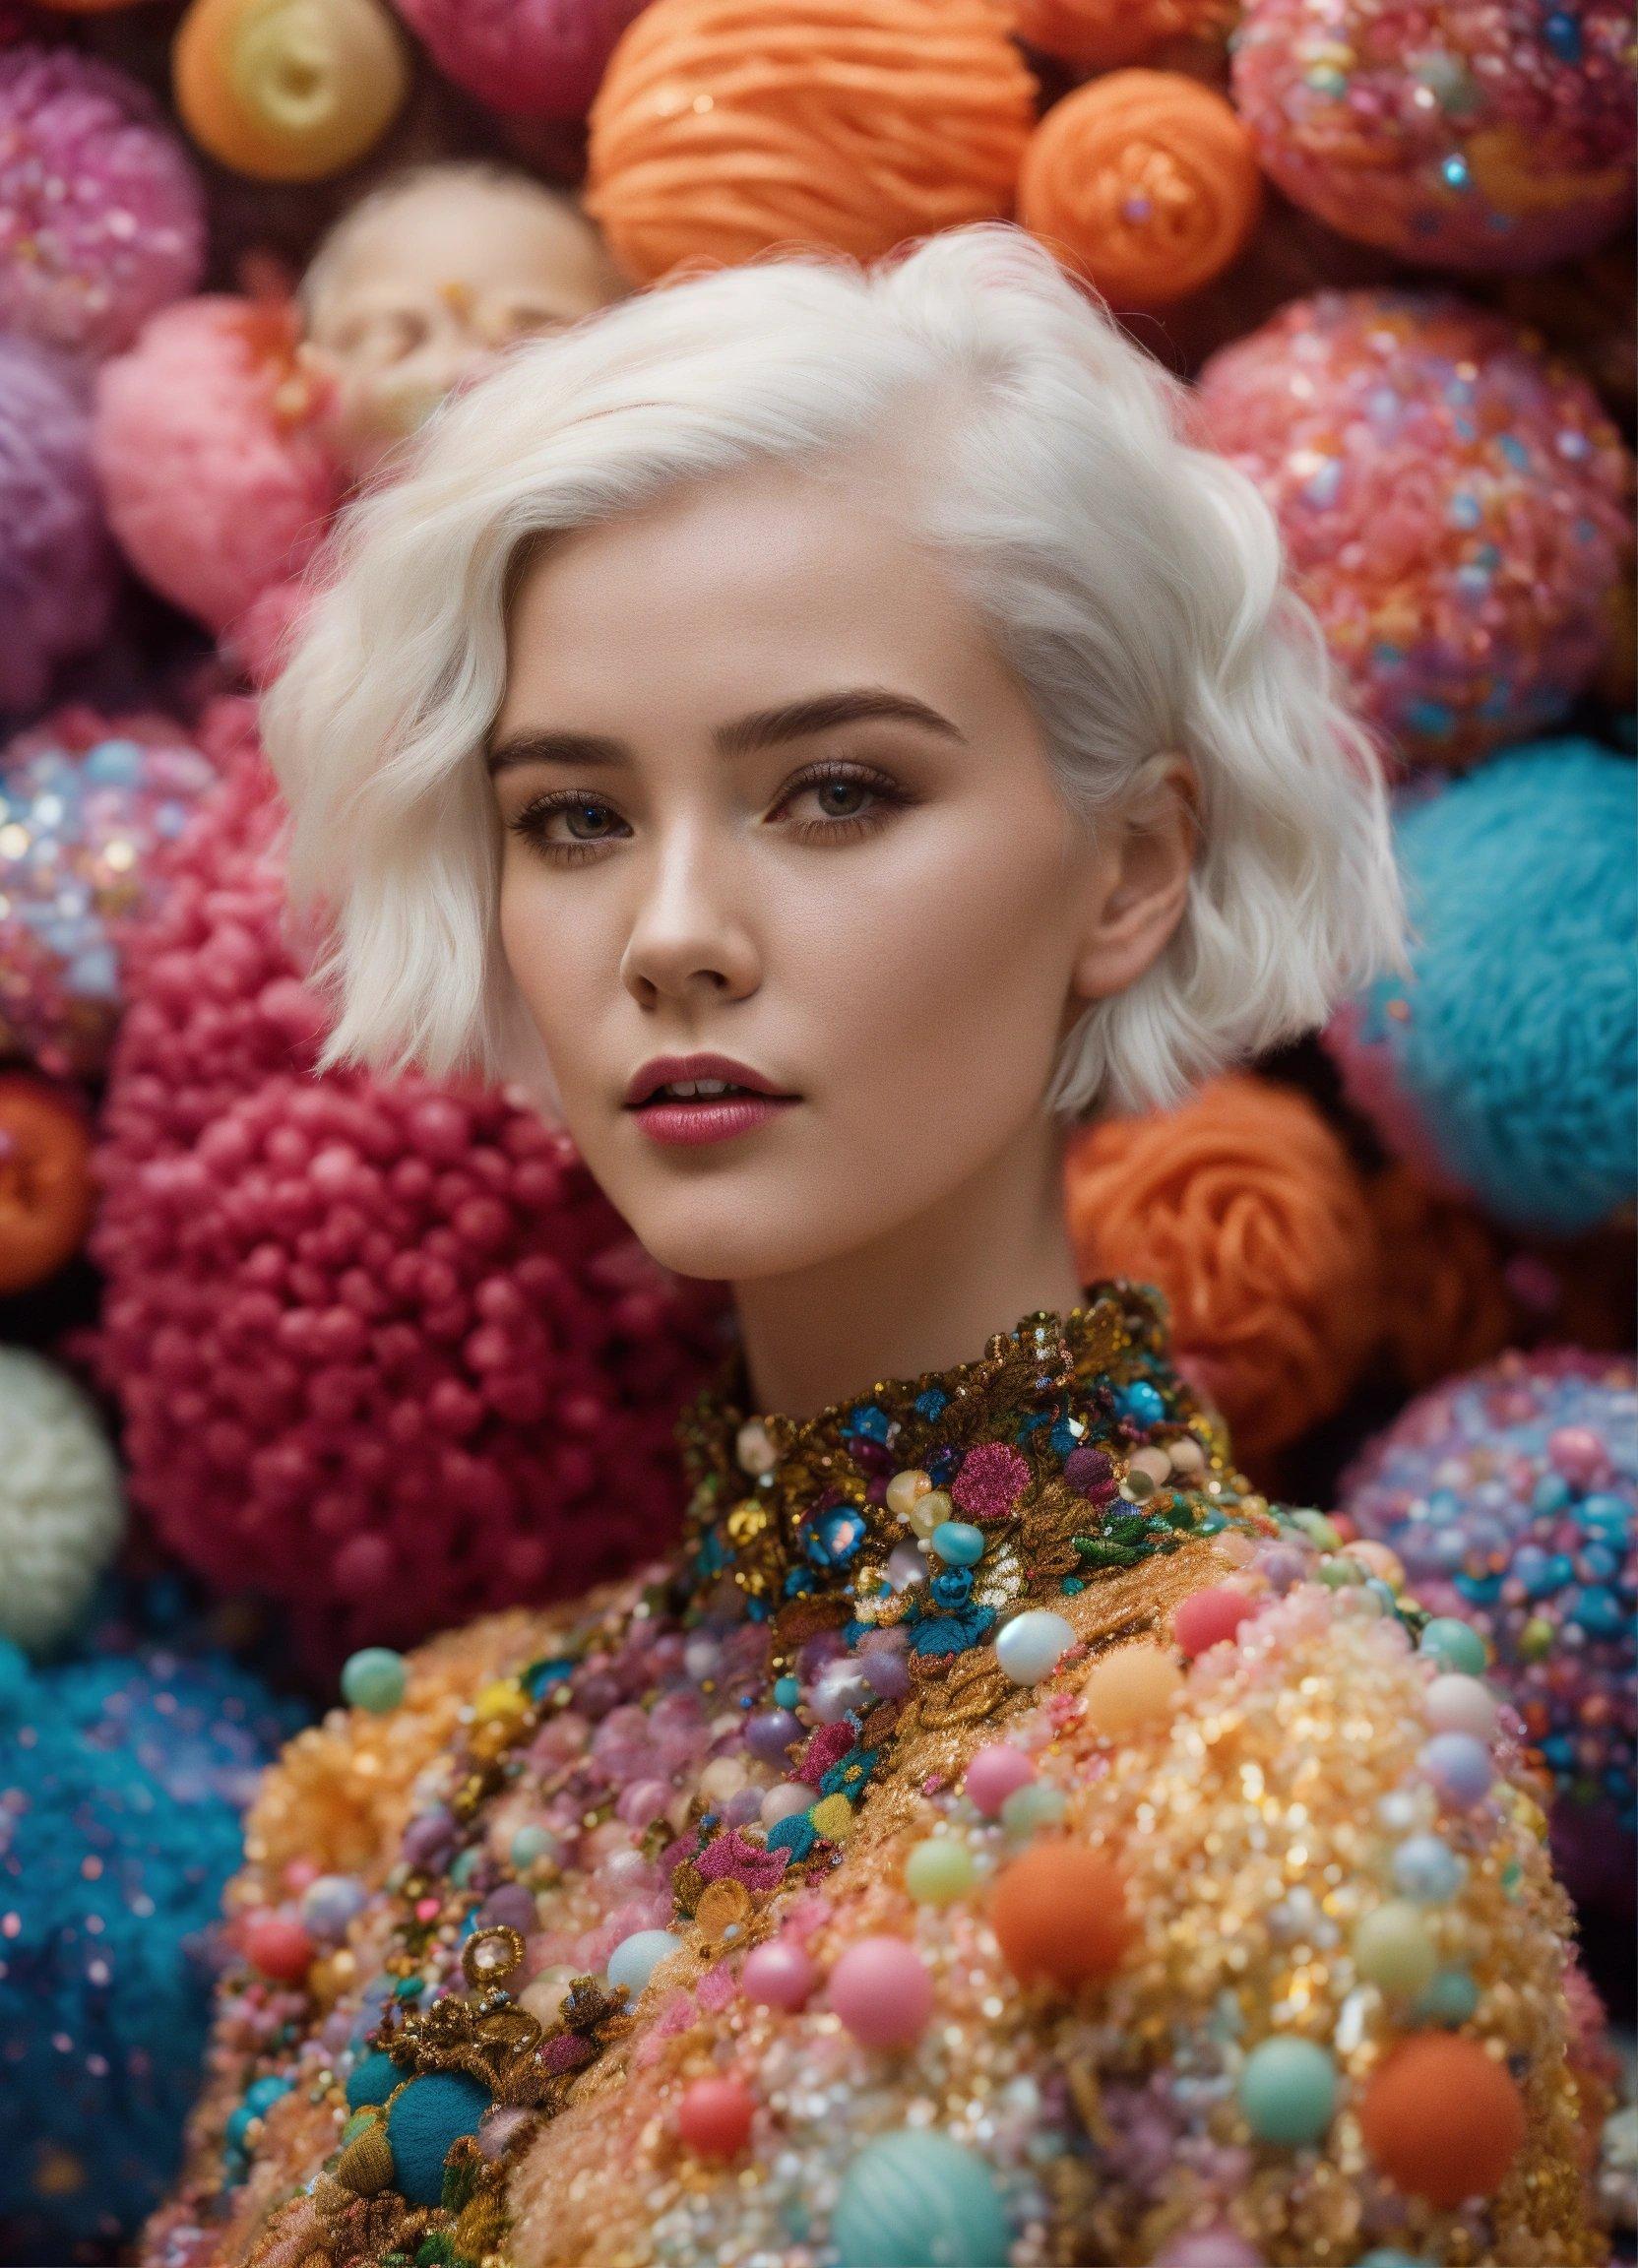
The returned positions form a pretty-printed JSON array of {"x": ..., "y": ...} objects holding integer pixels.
[
  {"x": 1509, "y": 1064},
  {"x": 122, "y": 1779},
  {"x": 422, "y": 2125}
]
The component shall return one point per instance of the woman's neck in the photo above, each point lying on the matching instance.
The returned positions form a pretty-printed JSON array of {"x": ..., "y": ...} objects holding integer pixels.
[{"x": 924, "y": 1297}]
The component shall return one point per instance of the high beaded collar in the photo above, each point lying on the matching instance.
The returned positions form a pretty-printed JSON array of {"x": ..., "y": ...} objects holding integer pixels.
[{"x": 1071, "y": 1448}]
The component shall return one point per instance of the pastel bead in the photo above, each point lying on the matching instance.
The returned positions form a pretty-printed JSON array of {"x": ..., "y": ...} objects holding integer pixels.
[
  {"x": 1442, "y": 2120},
  {"x": 779, "y": 1975},
  {"x": 636, "y": 1958},
  {"x": 1459, "y": 1769},
  {"x": 1288, "y": 2091},
  {"x": 1454, "y": 1645},
  {"x": 1033, "y": 1644},
  {"x": 1209, "y": 1617},
  {"x": 715, "y": 2117},
  {"x": 769, "y": 1734},
  {"x": 373, "y": 1678},
  {"x": 1393, "y": 1950},
  {"x": 958, "y": 1544},
  {"x": 1428, "y": 1870},
  {"x": 1132, "y": 1686},
  {"x": 1456, "y": 1703},
  {"x": 1451, "y": 1997},
  {"x": 1156, "y": 1463},
  {"x": 938, "y": 1870},
  {"x": 785, "y": 1801},
  {"x": 786, "y": 1692},
  {"x": 904, "y": 1488},
  {"x": 913, "y": 2196},
  {"x": 881, "y": 1991},
  {"x": 754, "y": 1449},
  {"x": 1040, "y": 1804},
  {"x": 930, "y": 1510},
  {"x": 993, "y": 1773},
  {"x": 279, "y": 1947},
  {"x": 1059, "y": 1914}
]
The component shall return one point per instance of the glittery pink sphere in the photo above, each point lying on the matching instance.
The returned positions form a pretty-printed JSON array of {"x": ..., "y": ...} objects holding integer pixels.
[
  {"x": 1474, "y": 134},
  {"x": 57, "y": 568},
  {"x": 88, "y": 810},
  {"x": 384, "y": 1351},
  {"x": 881, "y": 1990},
  {"x": 1454, "y": 505},
  {"x": 990, "y": 1480},
  {"x": 541, "y": 59},
  {"x": 101, "y": 215}
]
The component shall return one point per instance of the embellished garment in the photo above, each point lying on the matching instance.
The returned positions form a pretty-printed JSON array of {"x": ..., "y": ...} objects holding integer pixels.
[{"x": 996, "y": 1836}]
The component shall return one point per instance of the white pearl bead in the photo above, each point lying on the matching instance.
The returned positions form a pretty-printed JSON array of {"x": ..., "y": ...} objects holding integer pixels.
[
  {"x": 904, "y": 1488},
  {"x": 1458, "y": 1704},
  {"x": 702, "y": 1658},
  {"x": 842, "y": 1687},
  {"x": 1033, "y": 1644},
  {"x": 906, "y": 1566},
  {"x": 636, "y": 1958},
  {"x": 755, "y": 1451},
  {"x": 785, "y": 1801},
  {"x": 724, "y": 1777}
]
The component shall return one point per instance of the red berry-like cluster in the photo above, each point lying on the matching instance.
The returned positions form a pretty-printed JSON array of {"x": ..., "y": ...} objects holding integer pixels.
[{"x": 385, "y": 1354}]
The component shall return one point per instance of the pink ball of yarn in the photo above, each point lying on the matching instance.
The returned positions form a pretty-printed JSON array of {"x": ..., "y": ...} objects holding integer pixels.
[
  {"x": 536, "y": 58},
  {"x": 881, "y": 1991},
  {"x": 101, "y": 215},
  {"x": 217, "y": 483},
  {"x": 57, "y": 568},
  {"x": 1454, "y": 502},
  {"x": 382, "y": 1349}
]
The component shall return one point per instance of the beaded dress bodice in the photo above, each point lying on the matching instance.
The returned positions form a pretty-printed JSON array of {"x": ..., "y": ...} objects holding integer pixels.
[{"x": 610, "y": 1827}]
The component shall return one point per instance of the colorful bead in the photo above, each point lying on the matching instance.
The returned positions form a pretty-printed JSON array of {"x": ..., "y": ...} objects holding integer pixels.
[
  {"x": 905, "y": 1488},
  {"x": 911, "y": 2197},
  {"x": 1393, "y": 1950},
  {"x": 279, "y": 1947},
  {"x": 1031, "y": 1646},
  {"x": 1040, "y": 1804},
  {"x": 1059, "y": 1913},
  {"x": 938, "y": 1869},
  {"x": 1454, "y": 1645},
  {"x": 373, "y": 1678},
  {"x": 882, "y": 1991},
  {"x": 779, "y": 1975},
  {"x": 1458, "y": 1767},
  {"x": 715, "y": 2117},
  {"x": 958, "y": 1544},
  {"x": 1130, "y": 1687},
  {"x": 1209, "y": 1617},
  {"x": 1460, "y": 1704},
  {"x": 1451, "y": 1997},
  {"x": 1442, "y": 2120},
  {"x": 993, "y": 1773},
  {"x": 636, "y": 1958},
  {"x": 929, "y": 1510},
  {"x": 1288, "y": 2091},
  {"x": 1428, "y": 1870}
]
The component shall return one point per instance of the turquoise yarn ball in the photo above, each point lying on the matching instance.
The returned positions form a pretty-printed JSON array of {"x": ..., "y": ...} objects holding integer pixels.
[
  {"x": 1288, "y": 2091},
  {"x": 919, "y": 2200},
  {"x": 1509, "y": 1066},
  {"x": 371, "y": 2080},
  {"x": 423, "y": 2125}
]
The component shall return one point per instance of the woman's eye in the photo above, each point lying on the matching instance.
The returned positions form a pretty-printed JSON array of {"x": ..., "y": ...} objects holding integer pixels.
[
  {"x": 568, "y": 824},
  {"x": 838, "y": 803}
]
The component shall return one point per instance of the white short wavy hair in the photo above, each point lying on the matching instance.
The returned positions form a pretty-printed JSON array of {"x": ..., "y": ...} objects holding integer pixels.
[{"x": 1131, "y": 580}]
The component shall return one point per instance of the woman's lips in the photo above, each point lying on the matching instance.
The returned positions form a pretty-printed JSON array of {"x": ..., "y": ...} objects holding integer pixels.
[{"x": 708, "y": 1118}]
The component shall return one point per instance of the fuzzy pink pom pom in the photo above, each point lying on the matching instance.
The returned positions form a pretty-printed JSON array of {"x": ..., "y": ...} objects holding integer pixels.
[
  {"x": 217, "y": 485},
  {"x": 101, "y": 215},
  {"x": 383, "y": 1349},
  {"x": 536, "y": 58},
  {"x": 57, "y": 568}
]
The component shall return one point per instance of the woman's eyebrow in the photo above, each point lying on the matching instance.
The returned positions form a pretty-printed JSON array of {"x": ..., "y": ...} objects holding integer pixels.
[{"x": 764, "y": 728}]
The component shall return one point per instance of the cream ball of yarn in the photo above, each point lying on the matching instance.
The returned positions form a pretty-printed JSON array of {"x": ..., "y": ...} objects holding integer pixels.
[{"x": 62, "y": 1507}]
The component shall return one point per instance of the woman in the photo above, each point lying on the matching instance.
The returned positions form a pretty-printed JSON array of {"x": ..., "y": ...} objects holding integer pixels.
[{"x": 825, "y": 733}]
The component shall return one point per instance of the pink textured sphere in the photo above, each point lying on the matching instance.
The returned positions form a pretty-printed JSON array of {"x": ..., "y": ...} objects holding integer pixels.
[
  {"x": 779, "y": 1975},
  {"x": 540, "y": 59},
  {"x": 216, "y": 485},
  {"x": 1454, "y": 505},
  {"x": 383, "y": 1349},
  {"x": 58, "y": 573},
  {"x": 1476, "y": 134},
  {"x": 881, "y": 1991},
  {"x": 1207, "y": 1617},
  {"x": 101, "y": 215},
  {"x": 995, "y": 1773}
]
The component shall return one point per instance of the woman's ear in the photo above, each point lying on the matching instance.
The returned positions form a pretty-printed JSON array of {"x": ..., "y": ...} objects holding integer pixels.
[{"x": 1139, "y": 883}]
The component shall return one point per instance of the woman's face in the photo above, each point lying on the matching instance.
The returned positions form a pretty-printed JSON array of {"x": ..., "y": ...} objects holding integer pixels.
[{"x": 769, "y": 796}]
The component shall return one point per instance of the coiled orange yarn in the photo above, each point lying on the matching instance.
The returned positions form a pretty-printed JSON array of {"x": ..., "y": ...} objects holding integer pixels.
[
  {"x": 724, "y": 127},
  {"x": 1248, "y": 1213},
  {"x": 1104, "y": 35},
  {"x": 1146, "y": 182},
  {"x": 1445, "y": 1302},
  {"x": 45, "y": 1180}
]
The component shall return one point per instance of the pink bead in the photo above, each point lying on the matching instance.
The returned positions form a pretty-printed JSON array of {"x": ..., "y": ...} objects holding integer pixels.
[
  {"x": 1577, "y": 1453},
  {"x": 994, "y": 1773},
  {"x": 715, "y": 2117},
  {"x": 1207, "y": 1617},
  {"x": 882, "y": 1992},
  {"x": 644, "y": 1800},
  {"x": 779, "y": 1975},
  {"x": 785, "y": 1801}
]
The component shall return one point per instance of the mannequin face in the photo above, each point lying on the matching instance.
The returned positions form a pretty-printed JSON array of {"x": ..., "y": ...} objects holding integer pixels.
[
  {"x": 767, "y": 792},
  {"x": 424, "y": 290}
]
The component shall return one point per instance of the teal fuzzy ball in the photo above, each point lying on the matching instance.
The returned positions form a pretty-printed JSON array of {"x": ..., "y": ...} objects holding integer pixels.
[
  {"x": 423, "y": 2125},
  {"x": 919, "y": 2200},
  {"x": 1508, "y": 1066},
  {"x": 371, "y": 2081},
  {"x": 1288, "y": 2091}
]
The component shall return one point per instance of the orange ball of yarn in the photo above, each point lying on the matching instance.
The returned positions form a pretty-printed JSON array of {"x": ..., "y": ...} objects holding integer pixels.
[
  {"x": 724, "y": 127},
  {"x": 1059, "y": 1914},
  {"x": 1445, "y": 1302},
  {"x": 1442, "y": 2120},
  {"x": 46, "y": 1181},
  {"x": 1104, "y": 35},
  {"x": 1145, "y": 182},
  {"x": 1248, "y": 1213},
  {"x": 284, "y": 91}
]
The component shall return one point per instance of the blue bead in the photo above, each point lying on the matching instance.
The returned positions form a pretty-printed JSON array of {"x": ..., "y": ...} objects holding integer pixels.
[
  {"x": 913, "y": 2196},
  {"x": 958, "y": 1542},
  {"x": 1562, "y": 37},
  {"x": 1454, "y": 1645},
  {"x": 264, "y": 2094},
  {"x": 786, "y": 1692},
  {"x": 423, "y": 2125},
  {"x": 1428, "y": 1869},
  {"x": 1598, "y": 1611},
  {"x": 1450, "y": 1999},
  {"x": 933, "y": 1404},
  {"x": 1606, "y": 1516},
  {"x": 1141, "y": 1401}
]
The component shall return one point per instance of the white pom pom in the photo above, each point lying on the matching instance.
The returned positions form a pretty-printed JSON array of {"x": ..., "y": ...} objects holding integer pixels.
[{"x": 62, "y": 1508}]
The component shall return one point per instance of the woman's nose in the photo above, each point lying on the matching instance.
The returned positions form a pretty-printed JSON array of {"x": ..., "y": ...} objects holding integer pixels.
[{"x": 689, "y": 937}]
